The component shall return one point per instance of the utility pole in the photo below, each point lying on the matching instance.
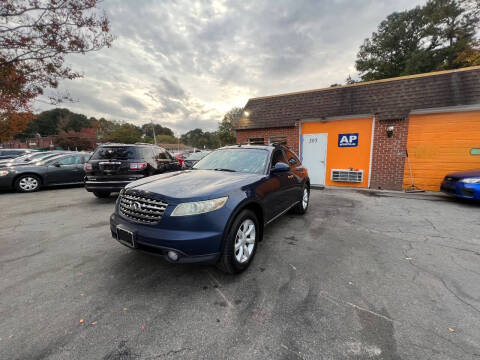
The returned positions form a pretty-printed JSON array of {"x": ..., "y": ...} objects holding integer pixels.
[{"x": 154, "y": 136}]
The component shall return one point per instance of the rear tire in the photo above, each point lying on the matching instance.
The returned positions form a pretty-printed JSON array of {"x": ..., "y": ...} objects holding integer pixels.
[
  {"x": 101, "y": 194},
  {"x": 240, "y": 244},
  {"x": 302, "y": 207},
  {"x": 28, "y": 183}
]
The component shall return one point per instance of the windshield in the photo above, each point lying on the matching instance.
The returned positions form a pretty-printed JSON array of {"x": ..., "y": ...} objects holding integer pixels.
[
  {"x": 241, "y": 160},
  {"x": 115, "y": 152},
  {"x": 197, "y": 156}
]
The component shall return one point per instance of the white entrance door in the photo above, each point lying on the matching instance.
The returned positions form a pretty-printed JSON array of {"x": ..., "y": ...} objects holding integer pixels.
[{"x": 314, "y": 155}]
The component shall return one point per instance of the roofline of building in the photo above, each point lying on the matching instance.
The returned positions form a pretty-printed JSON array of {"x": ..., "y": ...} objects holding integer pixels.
[{"x": 406, "y": 77}]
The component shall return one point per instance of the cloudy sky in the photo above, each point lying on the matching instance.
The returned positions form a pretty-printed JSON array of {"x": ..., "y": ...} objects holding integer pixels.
[{"x": 184, "y": 63}]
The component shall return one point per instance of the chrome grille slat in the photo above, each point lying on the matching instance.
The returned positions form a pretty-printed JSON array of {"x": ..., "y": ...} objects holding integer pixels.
[
  {"x": 157, "y": 213},
  {"x": 142, "y": 209},
  {"x": 158, "y": 208},
  {"x": 144, "y": 199}
]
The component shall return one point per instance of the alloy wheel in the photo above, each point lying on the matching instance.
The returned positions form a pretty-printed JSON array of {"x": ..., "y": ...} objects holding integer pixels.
[
  {"x": 28, "y": 183},
  {"x": 305, "y": 198},
  {"x": 245, "y": 241}
]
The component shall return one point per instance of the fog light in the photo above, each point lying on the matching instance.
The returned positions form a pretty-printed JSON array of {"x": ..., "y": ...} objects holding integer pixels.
[{"x": 172, "y": 255}]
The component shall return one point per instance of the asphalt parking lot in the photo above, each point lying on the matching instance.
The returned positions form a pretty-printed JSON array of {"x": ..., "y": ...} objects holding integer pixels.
[{"x": 361, "y": 276}]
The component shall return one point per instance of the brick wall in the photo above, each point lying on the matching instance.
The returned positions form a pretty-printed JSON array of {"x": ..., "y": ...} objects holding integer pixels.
[
  {"x": 388, "y": 158},
  {"x": 290, "y": 132}
]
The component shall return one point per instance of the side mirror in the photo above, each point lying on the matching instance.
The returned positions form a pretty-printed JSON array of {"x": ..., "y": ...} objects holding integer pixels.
[
  {"x": 280, "y": 167},
  {"x": 56, "y": 165}
]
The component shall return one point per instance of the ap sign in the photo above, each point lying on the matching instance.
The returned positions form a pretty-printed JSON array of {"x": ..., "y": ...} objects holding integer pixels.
[{"x": 348, "y": 140}]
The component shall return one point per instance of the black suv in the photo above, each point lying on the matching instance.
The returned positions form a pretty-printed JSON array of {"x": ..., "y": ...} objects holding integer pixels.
[{"x": 112, "y": 166}]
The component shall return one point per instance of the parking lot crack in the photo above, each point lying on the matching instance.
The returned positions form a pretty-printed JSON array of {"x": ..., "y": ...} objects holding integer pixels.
[
  {"x": 216, "y": 284},
  {"x": 22, "y": 257},
  {"x": 340, "y": 302}
]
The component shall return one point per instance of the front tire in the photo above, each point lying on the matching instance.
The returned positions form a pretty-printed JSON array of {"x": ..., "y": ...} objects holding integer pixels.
[
  {"x": 101, "y": 194},
  {"x": 302, "y": 207},
  {"x": 28, "y": 183},
  {"x": 241, "y": 243}
]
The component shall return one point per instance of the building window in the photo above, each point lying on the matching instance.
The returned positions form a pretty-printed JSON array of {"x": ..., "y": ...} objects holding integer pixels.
[
  {"x": 282, "y": 140},
  {"x": 256, "y": 141},
  {"x": 475, "y": 151}
]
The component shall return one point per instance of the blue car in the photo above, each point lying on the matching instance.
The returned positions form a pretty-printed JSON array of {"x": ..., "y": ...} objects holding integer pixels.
[
  {"x": 464, "y": 184},
  {"x": 216, "y": 212}
]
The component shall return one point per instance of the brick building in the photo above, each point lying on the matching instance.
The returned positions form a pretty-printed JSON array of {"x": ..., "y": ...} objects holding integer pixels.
[{"x": 383, "y": 134}]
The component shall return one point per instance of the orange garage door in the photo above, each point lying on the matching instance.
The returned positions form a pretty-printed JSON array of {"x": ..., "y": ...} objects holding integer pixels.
[{"x": 439, "y": 144}]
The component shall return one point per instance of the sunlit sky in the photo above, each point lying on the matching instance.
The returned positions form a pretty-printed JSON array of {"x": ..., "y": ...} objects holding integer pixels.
[{"x": 184, "y": 63}]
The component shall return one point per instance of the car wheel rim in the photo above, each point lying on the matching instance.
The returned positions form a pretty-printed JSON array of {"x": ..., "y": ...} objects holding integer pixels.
[
  {"x": 28, "y": 183},
  {"x": 245, "y": 241},
  {"x": 305, "y": 198}
]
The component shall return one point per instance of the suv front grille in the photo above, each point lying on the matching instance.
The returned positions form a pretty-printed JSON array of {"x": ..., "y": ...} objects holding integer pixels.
[{"x": 142, "y": 209}]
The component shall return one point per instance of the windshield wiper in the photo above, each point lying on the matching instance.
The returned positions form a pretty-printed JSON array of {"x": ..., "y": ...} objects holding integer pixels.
[{"x": 220, "y": 169}]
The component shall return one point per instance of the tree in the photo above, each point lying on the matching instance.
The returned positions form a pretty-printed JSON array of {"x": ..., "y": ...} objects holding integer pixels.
[
  {"x": 159, "y": 130},
  {"x": 439, "y": 35},
  {"x": 126, "y": 133},
  {"x": 76, "y": 140},
  {"x": 52, "y": 122},
  {"x": 15, "y": 97},
  {"x": 225, "y": 130},
  {"x": 36, "y": 35},
  {"x": 387, "y": 52},
  {"x": 166, "y": 139},
  {"x": 201, "y": 140}
]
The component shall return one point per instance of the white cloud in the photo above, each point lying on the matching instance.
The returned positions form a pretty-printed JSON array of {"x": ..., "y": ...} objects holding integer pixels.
[{"x": 184, "y": 63}]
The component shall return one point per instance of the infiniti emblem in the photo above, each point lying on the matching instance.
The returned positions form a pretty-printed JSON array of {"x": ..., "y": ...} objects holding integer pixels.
[{"x": 136, "y": 206}]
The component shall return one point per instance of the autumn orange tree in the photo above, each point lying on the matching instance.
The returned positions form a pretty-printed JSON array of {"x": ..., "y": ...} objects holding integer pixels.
[{"x": 35, "y": 37}]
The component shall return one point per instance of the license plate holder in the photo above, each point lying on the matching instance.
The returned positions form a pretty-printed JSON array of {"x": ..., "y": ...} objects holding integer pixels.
[{"x": 126, "y": 237}]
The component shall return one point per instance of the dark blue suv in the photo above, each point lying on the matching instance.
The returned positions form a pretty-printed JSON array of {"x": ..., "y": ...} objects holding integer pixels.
[{"x": 215, "y": 212}]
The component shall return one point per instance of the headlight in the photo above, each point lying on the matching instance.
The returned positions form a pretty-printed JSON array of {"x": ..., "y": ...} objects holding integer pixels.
[
  {"x": 3, "y": 172},
  {"x": 471, "y": 180},
  {"x": 199, "y": 207}
]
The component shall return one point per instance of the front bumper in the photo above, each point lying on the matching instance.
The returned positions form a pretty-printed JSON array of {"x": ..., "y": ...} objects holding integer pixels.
[
  {"x": 191, "y": 246},
  {"x": 6, "y": 181},
  {"x": 461, "y": 189}
]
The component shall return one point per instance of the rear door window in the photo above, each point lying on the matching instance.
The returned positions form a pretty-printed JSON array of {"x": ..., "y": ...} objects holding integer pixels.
[
  {"x": 69, "y": 160},
  {"x": 293, "y": 160},
  {"x": 115, "y": 153},
  {"x": 278, "y": 157}
]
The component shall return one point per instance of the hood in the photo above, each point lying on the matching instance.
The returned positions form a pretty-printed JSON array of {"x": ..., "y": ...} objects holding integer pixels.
[
  {"x": 465, "y": 174},
  {"x": 193, "y": 184}
]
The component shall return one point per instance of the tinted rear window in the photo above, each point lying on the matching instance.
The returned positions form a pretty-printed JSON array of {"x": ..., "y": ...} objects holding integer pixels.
[{"x": 115, "y": 152}]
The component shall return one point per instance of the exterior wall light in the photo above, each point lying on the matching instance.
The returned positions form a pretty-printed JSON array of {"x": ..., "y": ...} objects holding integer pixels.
[
  {"x": 246, "y": 113},
  {"x": 390, "y": 131}
]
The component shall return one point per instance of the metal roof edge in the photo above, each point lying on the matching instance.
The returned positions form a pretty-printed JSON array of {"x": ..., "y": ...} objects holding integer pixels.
[{"x": 446, "y": 109}]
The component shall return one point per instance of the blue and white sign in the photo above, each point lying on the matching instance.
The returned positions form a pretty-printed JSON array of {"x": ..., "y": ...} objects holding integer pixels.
[{"x": 348, "y": 140}]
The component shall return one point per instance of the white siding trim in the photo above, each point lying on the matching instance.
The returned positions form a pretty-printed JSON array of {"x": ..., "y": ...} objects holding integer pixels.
[
  {"x": 446, "y": 109},
  {"x": 371, "y": 152}
]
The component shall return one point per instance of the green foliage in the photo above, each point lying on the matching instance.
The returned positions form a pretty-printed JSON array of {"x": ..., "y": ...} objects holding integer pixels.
[
  {"x": 126, "y": 133},
  {"x": 225, "y": 130},
  {"x": 159, "y": 130},
  {"x": 200, "y": 139},
  {"x": 423, "y": 39},
  {"x": 52, "y": 122},
  {"x": 166, "y": 139}
]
